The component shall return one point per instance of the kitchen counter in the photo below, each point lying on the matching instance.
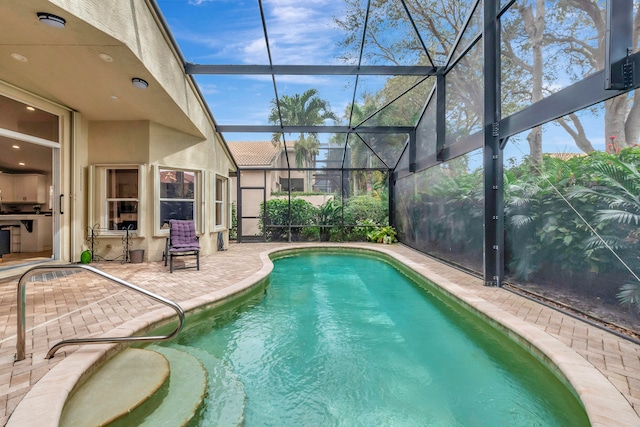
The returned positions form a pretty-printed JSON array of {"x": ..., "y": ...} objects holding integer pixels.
[{"x": 21, "y": 216}]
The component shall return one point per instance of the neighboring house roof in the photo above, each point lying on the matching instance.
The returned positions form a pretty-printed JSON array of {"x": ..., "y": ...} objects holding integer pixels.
[{"x": 253, "y": 153}]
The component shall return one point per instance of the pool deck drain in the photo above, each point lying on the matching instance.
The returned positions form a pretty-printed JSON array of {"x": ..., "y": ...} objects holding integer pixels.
[{"x": 80, "y": 305}]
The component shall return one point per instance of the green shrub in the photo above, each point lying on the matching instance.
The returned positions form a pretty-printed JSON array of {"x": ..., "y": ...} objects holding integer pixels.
[
  {"x": 329, "y": 214},
  {"x": 366, "y": 207},
  {"x": 277, "y": 217}
]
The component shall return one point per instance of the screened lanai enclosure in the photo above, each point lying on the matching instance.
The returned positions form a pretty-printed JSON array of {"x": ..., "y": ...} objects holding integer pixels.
[{"x": 498, "y": 136}]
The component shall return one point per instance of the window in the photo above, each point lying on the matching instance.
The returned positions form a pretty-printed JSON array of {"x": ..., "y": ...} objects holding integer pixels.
[
  {"x": 295, "y": 184},
  {"x": 116, "y": 198},
  {"x": 220, "y": 198},
  {"x": 122, "y": 199},
  {"x": 178, "y": 196}
]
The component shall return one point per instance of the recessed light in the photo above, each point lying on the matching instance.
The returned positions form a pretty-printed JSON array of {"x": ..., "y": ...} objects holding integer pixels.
[
  {"x": 17, "y": 147},
  {"x": 30, "y": 108},
  {"x": 105, "y": 57},
  {"x": 21, "y": 163},
  {"x": 19, "y": 57},
  {"x": 139, "y": 83},
  {"x": 51, "y": 20}
]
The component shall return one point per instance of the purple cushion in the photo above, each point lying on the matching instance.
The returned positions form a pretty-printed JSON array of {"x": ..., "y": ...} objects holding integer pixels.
[
  {"x": 184, "y": 248},
  {"x": 183, "y": 236}
]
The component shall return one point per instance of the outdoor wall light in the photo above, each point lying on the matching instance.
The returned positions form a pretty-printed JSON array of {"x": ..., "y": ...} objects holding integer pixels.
[
  {"x": 19, "y": 57},
  {"x": 51, "y": 20},
  {"x": 139, "y": 83},
  {"x": 105, "y": 57}
]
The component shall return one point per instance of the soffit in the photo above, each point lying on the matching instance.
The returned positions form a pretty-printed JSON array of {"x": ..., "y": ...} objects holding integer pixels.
[{"x": 63, "y": 65}]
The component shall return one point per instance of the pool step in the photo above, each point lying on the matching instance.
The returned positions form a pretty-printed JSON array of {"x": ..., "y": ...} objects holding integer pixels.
[
  {"x": 118, "y": 387},
  {"x": 158, "y": 386},
  {"x": 183, "y": 401},
  {"x": 226, "y": 395}
]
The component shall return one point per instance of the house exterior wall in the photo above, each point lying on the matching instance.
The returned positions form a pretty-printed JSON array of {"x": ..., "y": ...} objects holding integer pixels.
[
  {"x": 254, "y": 176},
  {"x": 155, "y": 146},
  {"x": 178, "y": 132}
]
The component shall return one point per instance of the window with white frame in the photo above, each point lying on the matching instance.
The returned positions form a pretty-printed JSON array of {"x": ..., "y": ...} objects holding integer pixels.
[
  {"x": 220, "y": 201},
  {"x": 116, "y": 200},
  {"x": 178, "y": 195}
]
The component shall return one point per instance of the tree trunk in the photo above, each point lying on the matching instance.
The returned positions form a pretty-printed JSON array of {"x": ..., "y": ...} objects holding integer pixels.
[
  {"x": 614, "y": 124},
  {"x": 535, "y": 150},
  {"x": 632, "y": 125},
  {"x": 534, "y": 25}
]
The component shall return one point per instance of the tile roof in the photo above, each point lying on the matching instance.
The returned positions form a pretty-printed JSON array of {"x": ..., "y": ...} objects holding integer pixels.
[{"x": 253, "y": 153}]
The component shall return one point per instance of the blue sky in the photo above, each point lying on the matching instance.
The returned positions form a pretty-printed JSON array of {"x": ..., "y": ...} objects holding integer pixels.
[
  {"x": 301, "y": 32},
  {"x": 230, "y": 32}
]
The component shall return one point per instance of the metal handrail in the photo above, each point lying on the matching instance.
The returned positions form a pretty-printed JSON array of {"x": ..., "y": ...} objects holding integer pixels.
[{"x": 20, "y": 345}]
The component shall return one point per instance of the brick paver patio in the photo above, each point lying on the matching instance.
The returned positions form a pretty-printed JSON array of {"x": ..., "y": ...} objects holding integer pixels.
[{"x": 82, "y": 305}]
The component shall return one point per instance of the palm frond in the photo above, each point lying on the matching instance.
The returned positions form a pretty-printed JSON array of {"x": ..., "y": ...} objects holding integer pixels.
[
  {"x": 621, "y": 176},
  {"x": 605, "y": 242},
  {"x": 519, "y": 221},
  {"x": 630, "y": 295},
  {"x": 579, "y": 191},
  {"x": 617, "y": 215}
]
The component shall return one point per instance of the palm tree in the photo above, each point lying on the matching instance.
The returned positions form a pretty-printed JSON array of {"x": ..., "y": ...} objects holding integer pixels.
[
  {"x": 307, "y": 109},
  {"x": 360, "y": 153},
  {"x": 306, "y": 150}
]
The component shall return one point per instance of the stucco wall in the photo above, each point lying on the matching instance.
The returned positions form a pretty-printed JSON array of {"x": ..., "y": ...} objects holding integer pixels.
[
  {"x": 118, "y": 142},
  {"x": 156, "y": 146},
  {"x": 189, "y": 142},
  {"x": 175, "y": 149}
]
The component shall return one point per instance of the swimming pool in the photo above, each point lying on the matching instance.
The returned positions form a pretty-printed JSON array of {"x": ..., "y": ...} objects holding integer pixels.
[{"x": 346, "y": 339}]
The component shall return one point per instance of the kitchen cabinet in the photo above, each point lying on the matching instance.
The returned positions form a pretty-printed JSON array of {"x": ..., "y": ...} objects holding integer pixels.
[
  {"x": 6, "y": 187},
  {"x": 29, "y": 188},
  {"x": 37, "y": 237},
  {"x": 23, "y": 188}
]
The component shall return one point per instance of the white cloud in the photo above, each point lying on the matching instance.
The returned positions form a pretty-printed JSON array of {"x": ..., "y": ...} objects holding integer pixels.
[
  {"x": 253, "y": 50},
  {"x": 201, "y": 2},
  {"x": 301, "y": 32},
  {"x": 208, "y": 88},
  {"x": 307, "y": 80}
]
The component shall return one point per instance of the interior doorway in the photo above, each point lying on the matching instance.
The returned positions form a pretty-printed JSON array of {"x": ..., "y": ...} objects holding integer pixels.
[{"x": 30, "y": 150}]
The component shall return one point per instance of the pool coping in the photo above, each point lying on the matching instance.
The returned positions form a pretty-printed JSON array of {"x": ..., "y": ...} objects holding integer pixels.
[{"x": 605, "y": 405}]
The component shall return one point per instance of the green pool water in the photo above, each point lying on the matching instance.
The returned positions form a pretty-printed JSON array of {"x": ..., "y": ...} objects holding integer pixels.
[{"x": 347, "y": 340}]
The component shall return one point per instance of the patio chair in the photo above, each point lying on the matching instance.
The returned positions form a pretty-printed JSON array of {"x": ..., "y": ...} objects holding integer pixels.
[{"x": 182, "y": 241}]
